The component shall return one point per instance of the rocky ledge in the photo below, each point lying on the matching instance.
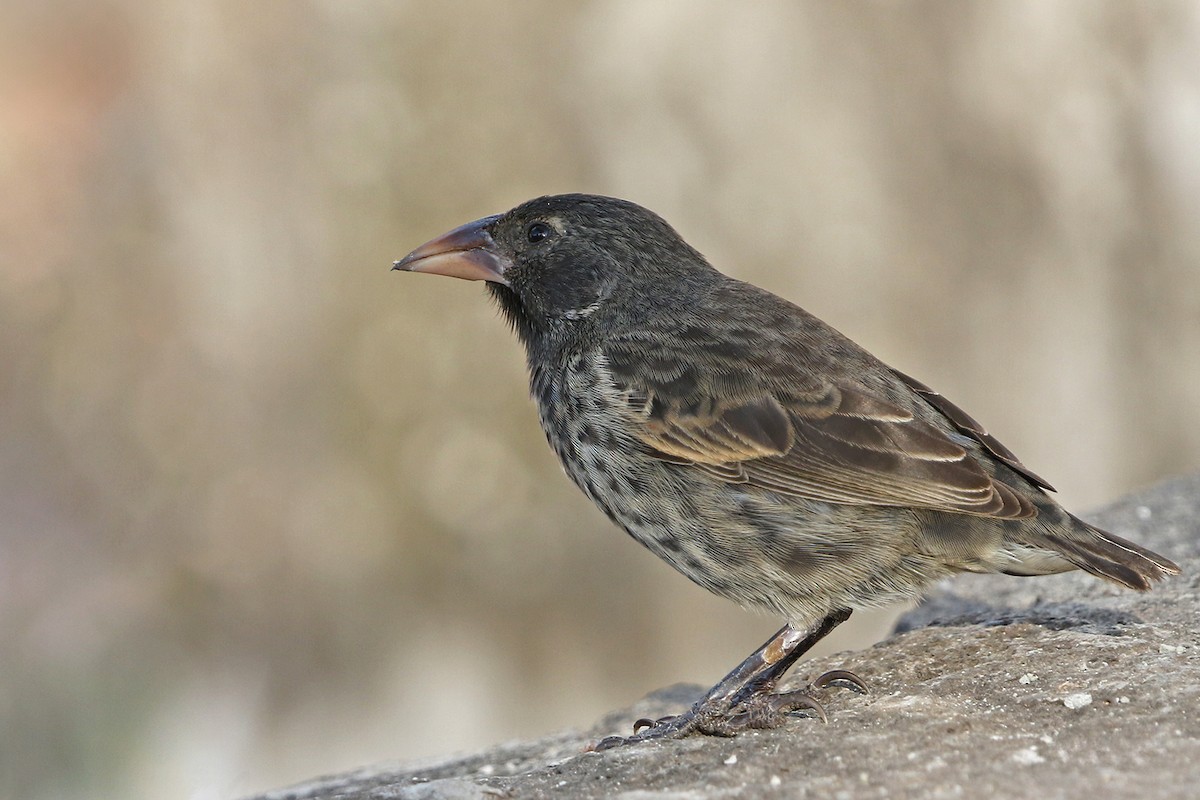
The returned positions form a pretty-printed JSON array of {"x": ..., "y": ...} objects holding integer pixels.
[{"x": 996, "y": 687}]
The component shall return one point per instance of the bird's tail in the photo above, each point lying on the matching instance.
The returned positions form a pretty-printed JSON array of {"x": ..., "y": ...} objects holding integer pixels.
[{"x": 1108, "y": 556}]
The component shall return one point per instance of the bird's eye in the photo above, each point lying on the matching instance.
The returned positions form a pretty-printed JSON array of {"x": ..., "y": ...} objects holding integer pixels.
[{"x": 538, "y": 231}]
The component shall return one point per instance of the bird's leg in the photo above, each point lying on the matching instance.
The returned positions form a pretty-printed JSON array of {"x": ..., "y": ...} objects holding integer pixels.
[{"x": 744, "y": 698}]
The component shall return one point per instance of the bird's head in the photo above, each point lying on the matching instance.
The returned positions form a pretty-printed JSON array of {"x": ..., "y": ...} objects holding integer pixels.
[{"x": 559, "y": 264}]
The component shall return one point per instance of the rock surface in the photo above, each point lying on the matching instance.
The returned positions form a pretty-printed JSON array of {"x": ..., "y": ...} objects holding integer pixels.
[{"x": 997, "y": 687}]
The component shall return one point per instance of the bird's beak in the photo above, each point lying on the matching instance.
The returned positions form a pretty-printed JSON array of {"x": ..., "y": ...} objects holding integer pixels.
[{"x": 467, "y": 252}]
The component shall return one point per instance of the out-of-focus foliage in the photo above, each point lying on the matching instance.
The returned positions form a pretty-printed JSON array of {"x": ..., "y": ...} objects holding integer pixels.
[{"x": 267, "y": 510}]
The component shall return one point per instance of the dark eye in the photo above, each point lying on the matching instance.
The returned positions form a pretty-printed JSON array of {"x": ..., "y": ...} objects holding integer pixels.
[{"x": 538, "y": 231}]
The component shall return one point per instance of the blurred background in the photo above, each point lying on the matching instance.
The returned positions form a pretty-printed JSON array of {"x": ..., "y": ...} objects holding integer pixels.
[{"x": 268, "y": 511}]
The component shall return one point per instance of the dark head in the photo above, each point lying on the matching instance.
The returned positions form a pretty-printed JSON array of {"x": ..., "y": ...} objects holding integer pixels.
[{"x": 559, "y": 264}]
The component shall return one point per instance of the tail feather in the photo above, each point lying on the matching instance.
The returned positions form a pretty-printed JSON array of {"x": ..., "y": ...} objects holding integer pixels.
[{"x": 1108, "y": 556}]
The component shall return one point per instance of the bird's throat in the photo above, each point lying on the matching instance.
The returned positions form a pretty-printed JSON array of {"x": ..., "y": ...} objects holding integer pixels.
[{"x": 514, "y": 312}]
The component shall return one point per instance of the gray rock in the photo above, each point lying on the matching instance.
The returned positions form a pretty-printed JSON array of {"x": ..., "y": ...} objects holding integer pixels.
[{"x": 996, "y": 687}]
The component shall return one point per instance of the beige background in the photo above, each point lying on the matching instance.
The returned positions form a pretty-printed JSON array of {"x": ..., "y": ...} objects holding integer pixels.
[{"x": 267, "y": 510}]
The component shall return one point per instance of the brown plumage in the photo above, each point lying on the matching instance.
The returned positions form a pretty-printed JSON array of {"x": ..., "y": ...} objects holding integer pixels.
[{"x": 750, "y": 445}]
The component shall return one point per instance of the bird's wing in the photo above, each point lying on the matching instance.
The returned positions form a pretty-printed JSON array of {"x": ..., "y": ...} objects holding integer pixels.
[
  {"x": 817, "y": 439},
  {"x": 967, "y": 424}
]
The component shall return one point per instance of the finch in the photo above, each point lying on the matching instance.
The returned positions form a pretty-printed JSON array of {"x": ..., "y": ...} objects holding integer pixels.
[{"x": 750, "y": 445}]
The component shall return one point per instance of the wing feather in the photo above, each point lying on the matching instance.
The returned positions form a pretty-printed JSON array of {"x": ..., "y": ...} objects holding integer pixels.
[{"x": 825, "y": 441}]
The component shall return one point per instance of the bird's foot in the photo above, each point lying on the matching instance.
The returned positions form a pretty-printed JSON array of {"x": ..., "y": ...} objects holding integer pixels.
[{"x": 715, "y": 716}]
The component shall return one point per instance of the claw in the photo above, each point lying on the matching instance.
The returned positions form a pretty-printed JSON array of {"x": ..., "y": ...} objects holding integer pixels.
[
  {"x": 646, "y": 722},
  {"x": 841, "y": 676},
  {"x": 607, "y": 743},
  {"x": 798, "y": 701}
]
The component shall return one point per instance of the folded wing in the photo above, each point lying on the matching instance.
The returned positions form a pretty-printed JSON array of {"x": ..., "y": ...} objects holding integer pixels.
[{"x": 815, "y": 439}]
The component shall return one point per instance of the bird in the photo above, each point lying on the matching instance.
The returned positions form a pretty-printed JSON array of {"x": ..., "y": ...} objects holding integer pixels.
[{"x": 751, "y": 446}]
